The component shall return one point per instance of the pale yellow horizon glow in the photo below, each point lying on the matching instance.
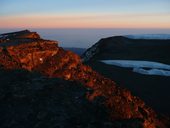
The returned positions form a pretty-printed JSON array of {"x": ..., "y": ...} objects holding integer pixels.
[{"x": 87, "y": 21}]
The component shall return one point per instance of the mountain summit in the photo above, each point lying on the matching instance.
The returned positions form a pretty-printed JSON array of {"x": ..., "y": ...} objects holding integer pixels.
[{"x": 26, "y": 50}]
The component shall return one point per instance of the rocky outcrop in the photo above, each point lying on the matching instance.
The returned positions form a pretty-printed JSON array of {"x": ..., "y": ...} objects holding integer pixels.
[
  {"x": 18, "y": 35},
  {"x": 121, "y": 47},
  {"x": 25, "y": 50},
  {"x": 47, "y": 58}
]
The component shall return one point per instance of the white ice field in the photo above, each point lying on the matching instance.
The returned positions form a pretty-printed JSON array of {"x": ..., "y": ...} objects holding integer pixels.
[{"x": 142, "y": 67}]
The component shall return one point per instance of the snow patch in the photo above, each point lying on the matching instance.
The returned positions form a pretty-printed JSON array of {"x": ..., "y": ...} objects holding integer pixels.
[
  {"x": 153, "y": 68},
  {"x": 135, "y": 63},
  {"x": 160, "y": 72},
  {"x": 149, "y": 36}
]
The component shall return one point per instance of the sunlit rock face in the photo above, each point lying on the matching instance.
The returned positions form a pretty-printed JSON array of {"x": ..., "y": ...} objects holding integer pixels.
[{"x": 35, "y": 54}]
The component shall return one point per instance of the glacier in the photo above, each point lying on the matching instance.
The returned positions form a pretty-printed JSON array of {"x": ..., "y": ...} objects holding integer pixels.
[{"x": 153, "y": 68}]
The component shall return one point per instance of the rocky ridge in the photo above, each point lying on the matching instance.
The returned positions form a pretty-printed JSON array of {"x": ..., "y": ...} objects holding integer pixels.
[
  {"x": 28, "y": 51},
  {"x": 124, "y": 48}
]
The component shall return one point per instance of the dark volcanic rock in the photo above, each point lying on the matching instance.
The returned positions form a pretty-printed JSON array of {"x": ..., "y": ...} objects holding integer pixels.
[
  {"x": 33, "y": 101},
  {"x": 25, "y": 34},
  {"x": 120, "y": 47},
  {"x": 50, "y": 60}
]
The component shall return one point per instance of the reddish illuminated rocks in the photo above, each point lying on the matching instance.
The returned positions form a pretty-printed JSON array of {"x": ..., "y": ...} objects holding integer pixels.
[{"x": 28, "y": 51}]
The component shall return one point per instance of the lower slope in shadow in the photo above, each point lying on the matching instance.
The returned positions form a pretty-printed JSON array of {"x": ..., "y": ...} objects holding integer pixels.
[{"x": 31, "y": 100}]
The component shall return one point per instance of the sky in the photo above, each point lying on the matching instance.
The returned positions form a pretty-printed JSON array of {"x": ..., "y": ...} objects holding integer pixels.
[{"x": 85, "y": 14}]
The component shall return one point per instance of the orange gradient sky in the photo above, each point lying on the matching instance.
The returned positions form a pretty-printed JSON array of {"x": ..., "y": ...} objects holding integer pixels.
[
  {"x": 87, "y": 21},
  {"x": 80, "y": 14}
]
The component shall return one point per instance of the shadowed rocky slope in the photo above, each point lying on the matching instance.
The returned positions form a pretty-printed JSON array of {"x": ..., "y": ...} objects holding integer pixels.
[
  {"x": 29, "y": 100},
  {"x": 32, "y": 53}
]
